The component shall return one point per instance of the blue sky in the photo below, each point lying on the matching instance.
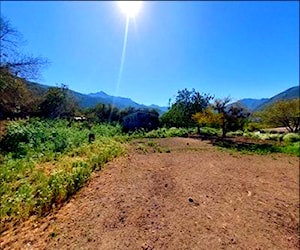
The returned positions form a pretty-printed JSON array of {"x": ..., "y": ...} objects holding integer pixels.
[{"x": 240, "y": 49}]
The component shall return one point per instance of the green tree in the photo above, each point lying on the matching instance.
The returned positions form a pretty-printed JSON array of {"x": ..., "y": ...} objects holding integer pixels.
[
  {"x": 186, "y": 104},
  {"x": 58, "y": 103},
  {"x": 282, "y": 114}
]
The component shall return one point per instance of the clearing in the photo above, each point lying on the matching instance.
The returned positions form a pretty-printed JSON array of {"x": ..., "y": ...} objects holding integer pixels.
[{"x": 175, "y": 193}]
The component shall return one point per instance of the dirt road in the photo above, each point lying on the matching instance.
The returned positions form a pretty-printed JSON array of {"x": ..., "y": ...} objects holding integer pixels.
[{"x": 176, "y": 193}]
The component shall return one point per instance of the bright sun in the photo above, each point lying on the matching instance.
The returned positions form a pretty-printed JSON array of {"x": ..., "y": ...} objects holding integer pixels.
[{"x": 130, "y": 8}]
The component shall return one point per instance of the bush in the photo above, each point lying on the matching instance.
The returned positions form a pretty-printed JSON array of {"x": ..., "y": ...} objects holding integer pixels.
[
  {"x": 209, "y": 131},
  {"x": 292, "y": 148},
  {"x": 235, "y": 133},
  {"x": 291, "y": 137},
  {"x": 253, "y": 126}
]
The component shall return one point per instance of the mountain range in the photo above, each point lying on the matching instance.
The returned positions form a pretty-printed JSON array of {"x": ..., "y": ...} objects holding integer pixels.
[
  {"x": 259, "y": 104},
  {"x": 90, "y": 100}
]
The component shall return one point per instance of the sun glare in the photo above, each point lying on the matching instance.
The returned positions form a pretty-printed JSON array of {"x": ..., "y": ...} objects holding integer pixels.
[{"x": 130, "y": 8}]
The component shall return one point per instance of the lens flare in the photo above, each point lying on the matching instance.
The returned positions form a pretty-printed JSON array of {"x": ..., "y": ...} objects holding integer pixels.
[{"x": 130, "y": 8}]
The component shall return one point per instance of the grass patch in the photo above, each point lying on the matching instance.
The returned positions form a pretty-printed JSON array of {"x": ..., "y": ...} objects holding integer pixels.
[
  {"x": 162, "y": 133},
  {"x": 292, "y": 149},
  {"x": 250, "y": 148},
  {"x": 261, "y": 149}
]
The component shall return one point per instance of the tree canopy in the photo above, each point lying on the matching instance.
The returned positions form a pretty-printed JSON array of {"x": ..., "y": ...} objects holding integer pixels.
[
  {"x": 282, "y": 114},
  {"x": 186, "y": 104},
  {"x": 221, "y": 113}
]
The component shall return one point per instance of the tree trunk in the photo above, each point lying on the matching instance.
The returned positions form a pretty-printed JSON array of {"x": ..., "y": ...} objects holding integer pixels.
[
  {"x": 223, "y": 130},
  {"x": 198, "y": 129}
]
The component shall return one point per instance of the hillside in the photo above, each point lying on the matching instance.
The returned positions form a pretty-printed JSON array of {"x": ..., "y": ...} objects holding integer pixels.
[
  {"x": 258, "y": 104},
  {"x": 90, "y": 100},
  {"x": 252, "y": 104},
  {"x": 288, "y": 94}
]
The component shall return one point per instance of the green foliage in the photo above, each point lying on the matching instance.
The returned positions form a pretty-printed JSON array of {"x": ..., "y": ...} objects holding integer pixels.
[
  {"x": 58, "y": 103},
  {"x": 186, "y": 104},
  {"x": 46, "y": 161},
  {"x": 261, "y": 149},
  {"x": 291, "y": 137},
  {"x": 163, "y": 133},
  {"x": 282, "y": 113},
  {"x": 253, "y": 126},
  {"x": 210, "y": 131},
  {"x": 279, "y": 143},
  {"x": 208, "y": 117},
  {"x": 236, "y": 133},
  {"x": 292, "y": 148}
]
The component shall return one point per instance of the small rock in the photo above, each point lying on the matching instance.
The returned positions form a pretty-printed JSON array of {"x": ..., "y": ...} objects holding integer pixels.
[{"x": 208, "y": 216}]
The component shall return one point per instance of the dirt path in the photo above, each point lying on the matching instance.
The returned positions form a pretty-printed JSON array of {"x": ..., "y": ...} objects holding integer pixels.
[{"x": 190, "y": 196}]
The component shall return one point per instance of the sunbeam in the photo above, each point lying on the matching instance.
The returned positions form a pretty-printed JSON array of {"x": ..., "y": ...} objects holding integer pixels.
[{"x": 122, "y": 62}]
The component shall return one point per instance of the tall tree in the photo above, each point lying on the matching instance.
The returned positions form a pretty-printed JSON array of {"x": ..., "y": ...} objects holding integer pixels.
[
  {"x": 233, "y": 117},
  {"x": 228, "y": 117},
  {"x": 58, "y": 103},
  {"x": 186, "y": 104}
]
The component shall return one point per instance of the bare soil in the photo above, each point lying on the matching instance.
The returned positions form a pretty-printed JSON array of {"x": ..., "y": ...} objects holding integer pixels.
[{"x": 177, "y": 193}]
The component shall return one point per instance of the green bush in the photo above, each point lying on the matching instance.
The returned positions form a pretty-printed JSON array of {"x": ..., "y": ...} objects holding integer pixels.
[
  {"x": 292, "y": 148},
  {"x": 253, "y": 126},
  {"x": 291, "y": 137},
  {"x": 210, "y": 131},
  {"x": 235, "y": 133}
]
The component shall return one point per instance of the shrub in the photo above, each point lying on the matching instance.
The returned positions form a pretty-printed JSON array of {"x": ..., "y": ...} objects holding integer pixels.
[
  {"x": 291, "y": 137},
  {"x": 235, "y": 133},
  {"x": 209, "y": 131},
  {"x": 253, "y": 126}
]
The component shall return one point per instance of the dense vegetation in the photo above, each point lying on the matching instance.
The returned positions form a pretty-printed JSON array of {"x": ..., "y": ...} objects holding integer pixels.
[{"x": 43, "y": 162}]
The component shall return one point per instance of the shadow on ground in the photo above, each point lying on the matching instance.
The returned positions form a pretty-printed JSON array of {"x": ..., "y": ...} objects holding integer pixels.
[{"x": 240, "y": 143}]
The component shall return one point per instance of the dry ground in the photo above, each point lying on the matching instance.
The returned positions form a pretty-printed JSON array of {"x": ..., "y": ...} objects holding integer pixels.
[{"x": 177, "y": 193}]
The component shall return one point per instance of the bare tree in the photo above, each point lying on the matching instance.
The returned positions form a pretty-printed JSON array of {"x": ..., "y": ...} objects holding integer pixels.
[{"x": 11, "y": 60}]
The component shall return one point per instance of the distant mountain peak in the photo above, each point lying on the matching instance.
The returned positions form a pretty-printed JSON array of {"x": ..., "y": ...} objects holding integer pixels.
[{"x": 98, "y": 94}]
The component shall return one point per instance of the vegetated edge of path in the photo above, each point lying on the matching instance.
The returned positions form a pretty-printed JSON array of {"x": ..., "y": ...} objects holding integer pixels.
[{"x": 176, "y": 193}]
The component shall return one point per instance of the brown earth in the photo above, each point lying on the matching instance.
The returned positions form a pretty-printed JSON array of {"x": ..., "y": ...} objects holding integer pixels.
[{"x": 177, "y": 193}]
